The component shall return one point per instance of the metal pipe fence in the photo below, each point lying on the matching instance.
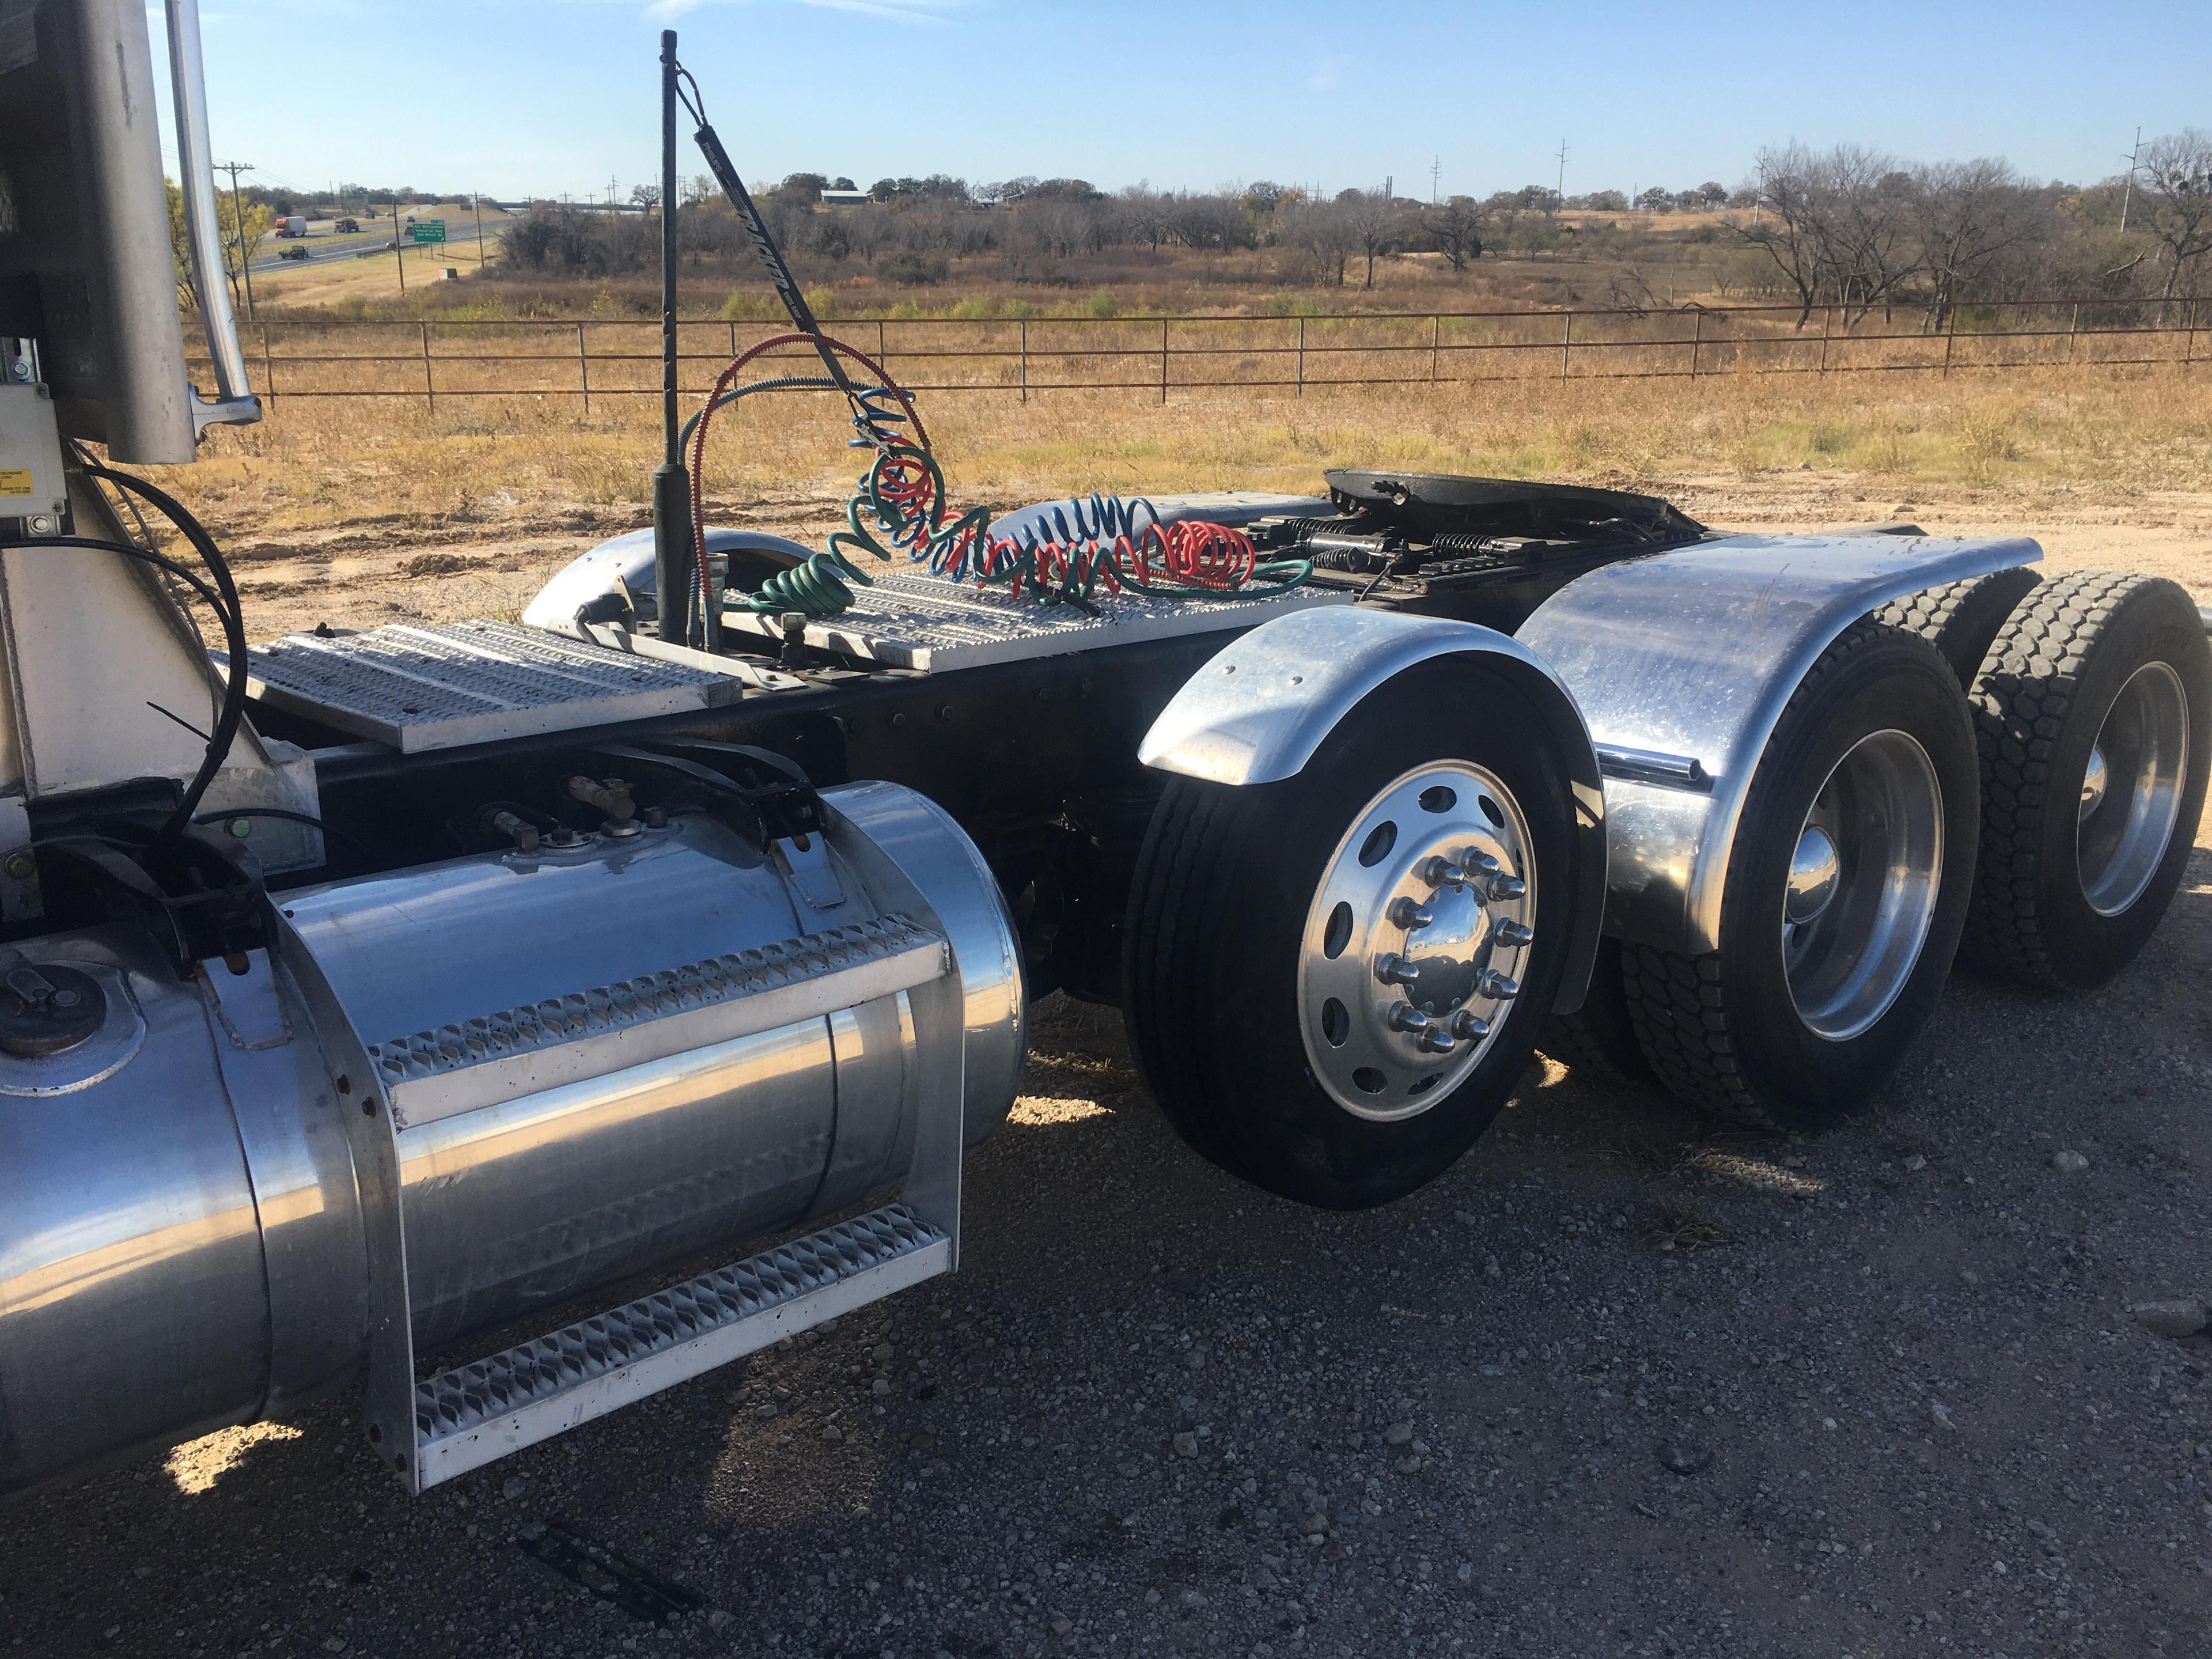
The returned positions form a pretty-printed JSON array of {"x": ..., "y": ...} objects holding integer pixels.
[{"x": 1160, "y": 357}]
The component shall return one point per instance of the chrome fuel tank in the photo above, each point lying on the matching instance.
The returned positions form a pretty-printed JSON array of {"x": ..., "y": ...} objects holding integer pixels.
[{"x": 589, "y": 1064}]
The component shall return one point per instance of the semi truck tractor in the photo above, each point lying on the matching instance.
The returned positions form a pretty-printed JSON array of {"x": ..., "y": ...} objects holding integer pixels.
[{"x": 503, "y": 1020}]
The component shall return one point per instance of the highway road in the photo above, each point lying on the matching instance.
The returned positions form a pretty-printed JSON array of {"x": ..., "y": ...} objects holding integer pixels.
[{"x": 323, "y": 248}]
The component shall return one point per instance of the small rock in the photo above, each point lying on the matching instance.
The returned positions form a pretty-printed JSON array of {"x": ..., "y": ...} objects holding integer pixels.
[
  {"x": 515, "y": 1487},
  {"x": 1466, "y": 1574},
  {"x": 1398, "y": 1433},
  {"x": 334, "y": 1644},
  {"x": 1195, "y": 1359},
  {"x": 763, "y": 1413},
  {"x": 921, "y": 1441},
  {"x": 1186, "y": 1444},
  {"x": 1916, "y": 1164},
  {"x": 1491, "y": 1269},
  {"x": 1152, "y": 1598},
  {"x": 1061, "y": 1626},
  {"x": 880, "y": 1387},
  {"x": 882, "y": 1353},
  {"x": 2182, "y": 1316},
  {"x": 832, "y": 1435},
  {"x": 1684, "y": 1456},
  {"x": 1409, "y": 1464},
  {"x": 2069, "y": 1162},
  {"x": 1191, "y": 1598},
  {"x": 720, "y": 1618}
]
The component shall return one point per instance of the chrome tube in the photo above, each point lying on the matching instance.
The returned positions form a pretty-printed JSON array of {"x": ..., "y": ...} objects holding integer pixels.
[{"x": 233, "y": 401}]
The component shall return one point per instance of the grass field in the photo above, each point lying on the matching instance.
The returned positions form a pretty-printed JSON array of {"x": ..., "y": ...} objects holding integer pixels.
[{"x": 2108, "y": 436}]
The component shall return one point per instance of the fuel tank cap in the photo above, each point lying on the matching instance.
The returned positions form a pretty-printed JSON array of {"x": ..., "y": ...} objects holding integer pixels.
[{"x": 47, "y": 1010}]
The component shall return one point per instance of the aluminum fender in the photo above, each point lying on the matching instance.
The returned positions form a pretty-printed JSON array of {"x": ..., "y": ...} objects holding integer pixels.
[
  {"x": 1691, "y": 656},
  {"x": 628, "y": 557},
  {"x": 1256, "y": 712}
]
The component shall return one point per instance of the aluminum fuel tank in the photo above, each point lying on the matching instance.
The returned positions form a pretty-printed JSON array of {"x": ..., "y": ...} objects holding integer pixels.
[{"x": 182, "y": 1215}]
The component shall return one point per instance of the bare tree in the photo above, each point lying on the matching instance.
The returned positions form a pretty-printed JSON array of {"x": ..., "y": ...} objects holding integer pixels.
[
  {"x": 1967, "y": 216},
  {"x": 1376, "y": 223},
  {"x": 1457, "y": 229},
  {"x": 1321, "y": 234},
  {"x": 2176, "y": 182},
  {"x": 1786, "y": 225},
  {"x": 1148, "y": 215}
]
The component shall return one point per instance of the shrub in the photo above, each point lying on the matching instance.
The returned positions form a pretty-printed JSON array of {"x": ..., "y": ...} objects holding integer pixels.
[{"x": 910, "y": 269}]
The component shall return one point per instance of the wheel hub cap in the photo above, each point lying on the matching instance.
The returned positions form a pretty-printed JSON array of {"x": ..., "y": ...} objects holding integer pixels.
[
  {"x": 2131, "y": 795},
  {"x": 1417, "y": 940},
  {"x": 1813, "y": 874},
  {"x": 1861, "y": 886}
]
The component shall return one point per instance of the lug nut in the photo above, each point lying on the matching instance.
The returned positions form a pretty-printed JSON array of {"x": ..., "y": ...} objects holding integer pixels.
[
  {"x": 1436, "y": 1040},
  {"x": 1470, "y": 1026},
  {"x": 1396, "y": 970},
  {"x": 1507, "y": 887},
  {"x": 1497, "y": 988},
  {"x": 1480, "y": 862},
  {"x": 1405, "y": 914},
  {"x": 1404, "y": 1016},
  {"x": 1515, "y": 933},
  {"x": 1441, "y": 871}
]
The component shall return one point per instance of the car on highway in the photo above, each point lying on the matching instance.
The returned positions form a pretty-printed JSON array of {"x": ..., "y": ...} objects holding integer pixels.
[
  {"x": 345, "y": 226},
  {"x": 292, "y": 253}
]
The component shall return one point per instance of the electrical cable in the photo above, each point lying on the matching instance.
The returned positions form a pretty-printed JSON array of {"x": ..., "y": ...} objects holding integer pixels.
[{"x": 232, "y": 714}]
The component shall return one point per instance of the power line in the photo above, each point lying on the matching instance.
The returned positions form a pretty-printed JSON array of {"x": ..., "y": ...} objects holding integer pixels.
[
  {"x": 238, "y": 218},
  {"x": 2127, "y": 195}
]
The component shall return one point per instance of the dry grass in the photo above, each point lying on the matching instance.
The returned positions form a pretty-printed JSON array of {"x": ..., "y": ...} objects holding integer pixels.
[{"x": 2093, "y": 433}]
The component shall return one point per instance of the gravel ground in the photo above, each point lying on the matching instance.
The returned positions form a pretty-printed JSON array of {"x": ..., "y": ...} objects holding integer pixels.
[{"x": 1622, "y": 1383}]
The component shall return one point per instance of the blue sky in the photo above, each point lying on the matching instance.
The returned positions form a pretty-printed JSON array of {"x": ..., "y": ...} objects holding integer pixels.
[{"x": 514, "y": 98}]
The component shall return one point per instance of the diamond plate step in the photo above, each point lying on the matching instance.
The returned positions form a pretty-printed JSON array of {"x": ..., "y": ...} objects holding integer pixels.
[
  {"x": 479, "y": 1412},
  {"x": 420, "y": 689}
]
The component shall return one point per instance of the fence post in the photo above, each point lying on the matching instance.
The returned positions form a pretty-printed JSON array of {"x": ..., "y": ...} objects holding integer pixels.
[
  {"x": 1163, "y": 359},
  {"x": 1025, "y": 359},
  {"x": 882, "y": 351},
  {"x": 429, "y": 385},
  {"x": 1436, "y": 336},
  {"x": 1566, "y": 344},
  {"x": 1950, "y": 339},
  {"x": 2188, "y": 346},
  {"x": 583, "y": 369},
  {"x": 2073, "y": 331},
  {"x": 268, "y": 367},
  {"x": 1827, "y": 323},
  {"x": 733, "y": 343},
  {"x": 1301, "y": 357},
  {"x": 1697, "y": 341}
]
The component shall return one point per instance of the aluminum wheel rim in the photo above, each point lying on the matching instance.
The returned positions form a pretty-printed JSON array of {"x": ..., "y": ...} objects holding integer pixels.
[
  {"x": 1881, "y": 812},
  {"x": 2132, "y": 797},
  {"x": 1435, "y": 876}
]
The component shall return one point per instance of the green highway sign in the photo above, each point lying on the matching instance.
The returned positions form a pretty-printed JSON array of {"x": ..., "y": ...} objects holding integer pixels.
[{"x": 429, "y": 230}]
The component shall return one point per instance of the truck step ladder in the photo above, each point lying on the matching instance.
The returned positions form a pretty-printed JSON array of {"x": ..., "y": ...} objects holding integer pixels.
[{"x": 474, "y": 1413}]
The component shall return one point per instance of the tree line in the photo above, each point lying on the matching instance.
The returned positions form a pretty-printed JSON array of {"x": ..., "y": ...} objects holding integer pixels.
[{"x": 1848, "y": 227}]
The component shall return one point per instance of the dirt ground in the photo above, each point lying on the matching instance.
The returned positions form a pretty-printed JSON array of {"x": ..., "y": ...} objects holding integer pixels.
[
  {"x": 369, "y": 571},
  {"x": 1625, "y": 1382}
]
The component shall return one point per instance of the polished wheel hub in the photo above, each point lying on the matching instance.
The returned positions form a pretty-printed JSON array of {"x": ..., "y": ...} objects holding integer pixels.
[
  {"x": 2131, "y": 795},
  {"x": 1860, "y": 890},
  {"x": 1417, "y": 940}
]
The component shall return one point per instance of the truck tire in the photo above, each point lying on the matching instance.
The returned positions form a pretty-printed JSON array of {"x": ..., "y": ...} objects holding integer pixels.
[
  {"x": 1846, "y": 891},
  {"x": 2093, "y": 715},
  {"x": 1960, "y": 619},
  {"x": 1271, "y": 928},
  {"x": 1599, "y": 1038}
]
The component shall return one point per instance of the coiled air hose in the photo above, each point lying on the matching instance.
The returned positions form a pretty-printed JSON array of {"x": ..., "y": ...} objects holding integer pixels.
[{"x": 1066, "y": 554}]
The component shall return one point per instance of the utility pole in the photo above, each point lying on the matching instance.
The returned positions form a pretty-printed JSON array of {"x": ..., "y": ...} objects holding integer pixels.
[
  {"x": 476, "y": 202},
  {"x": 238, "y": 220},
  {"x": 2127, "y": 195},
  {"x": 1562, "y": 192},
  {"x": 398, "y": 248},
  {"x": 1436, "y": 179}
]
